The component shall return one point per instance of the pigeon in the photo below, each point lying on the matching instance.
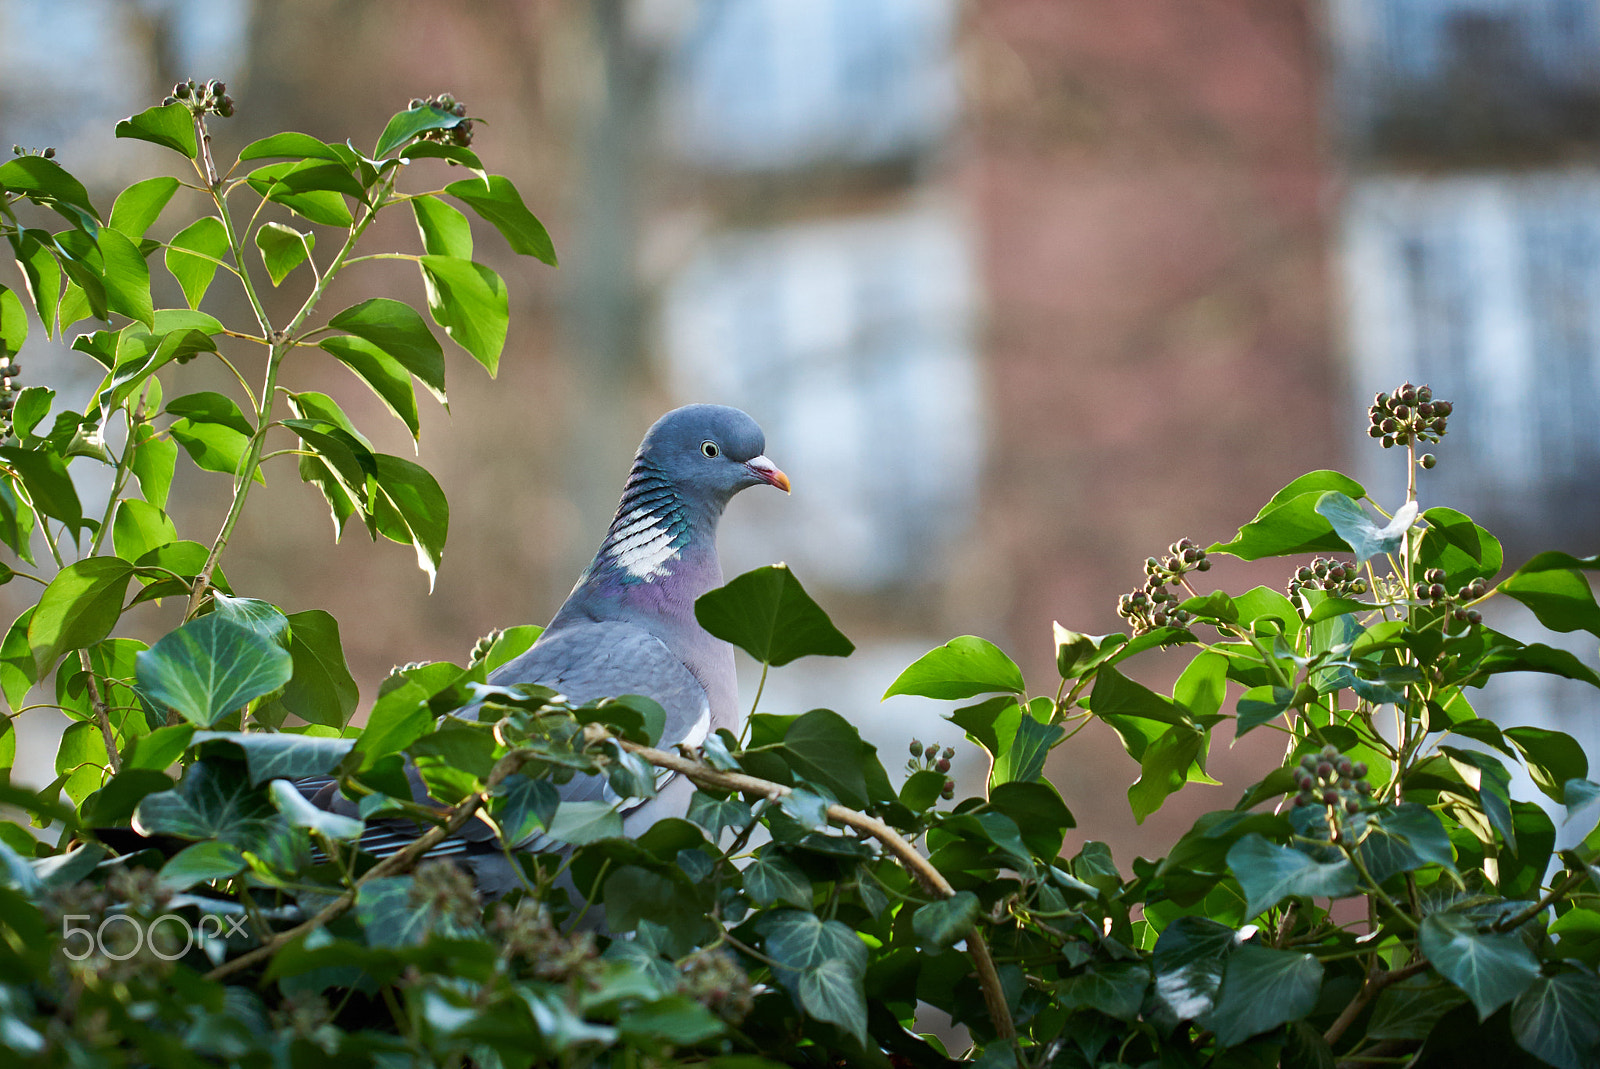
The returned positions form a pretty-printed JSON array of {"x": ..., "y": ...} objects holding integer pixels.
[{"x": 629, "y": 626}]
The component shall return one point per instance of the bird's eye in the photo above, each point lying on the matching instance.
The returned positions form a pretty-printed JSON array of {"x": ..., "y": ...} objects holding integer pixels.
[{"x": 710, "y": 449}]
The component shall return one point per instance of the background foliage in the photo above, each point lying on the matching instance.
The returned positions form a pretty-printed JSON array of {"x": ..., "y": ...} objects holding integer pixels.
[{"x": 1378, "y": 897}]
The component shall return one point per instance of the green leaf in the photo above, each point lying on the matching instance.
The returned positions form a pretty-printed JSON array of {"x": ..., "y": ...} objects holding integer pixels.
[
  {"x": 46, "y": 182},
  {"x": 1290, "y": 523},
  {"x": 408, "y": 506},
  {"x": 445, "y": 231},
  {"x": 768, "y": 614},
  {"x": 821, "y": 963},
  {"x": 212, "y": 802},
  {"x": 79, "y": 607},
  {"x": 397, "y": 330},
  {"x": 1402, "y": 839},
  {"x": 18, "y": 673},
  {"x": 399, "y": 717},
  {"x": 212, "y": 431},
  {"x": 633, "y": 894},
  {"x": 283, "y": 248},
  {"x": 259, "y": 616},
  {"x": 825, "y": 749},
  {"x": 713, "y": 814},
  {"x": 45, "y": 477},
  {"x": 382, "y": 374},
  {"x": 469, "y": 301},
  {"x": 280, "y": 754},
  {"x": 943, "y": 922},
  {"x": 160, "y": 749},
  {"x": 1262, "y": 988},
  {"x": 13, "y": 323},
  {"x": 773, "y": 878},
  {"x": 1409, "y": 1009},
  {"x": 961, "y": 668},
  {"x": 498, "y": 203},
  {"x": 321, "y": 690},
  {"x": 1365, "y": 538},
  {"x": 1492, "y": 968},
  {"x": 1553, "y": 586},
  {"x": 1463, "y": 549},
  {"x": 140, "y": 527},
  {"x": 300, "y": 813},
  {"x": 1164, "y": 768},
  {"x": 408, "y": 124},
  {"x": 1022, "y": 760},
  {"x": 321, "y": 206},
  {"x": 1188, "y": 960},
  {"x": 585, "y": 822},
  {"x": 193, "y": 256},
  {"x": 1116, "y": 989},
  {"x": 291, "y": 145},
  {"x": 386, "y": 911},
  {"x": 1557, "y": 1020},
  {"x": 127, "y": 277},
  {"x": 170, "y": 126},
  {"x": 211, "y": 667},
  {"x": 523, "y": 807},
  {"x": 40, "y": 271},
  {"x": 1552, "y": 758},
  {"x": 1261, "y": 705},
  {"x": 200, "y": 862},
  {"x": 1269, "y": 873},
  {"x": 139, "y": 206}
]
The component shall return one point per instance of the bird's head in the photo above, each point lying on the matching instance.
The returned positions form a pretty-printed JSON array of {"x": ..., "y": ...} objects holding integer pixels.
[{"x": 711, "y": 452}]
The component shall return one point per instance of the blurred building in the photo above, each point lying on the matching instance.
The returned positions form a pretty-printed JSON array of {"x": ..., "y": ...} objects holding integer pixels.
[{"x": 1021, "y": 290}]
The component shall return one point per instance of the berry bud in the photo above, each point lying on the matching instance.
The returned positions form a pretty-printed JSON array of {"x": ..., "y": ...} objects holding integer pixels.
[
  {"x": 1428, "y": 460},
  {"x": 1363, "y": 787},
  {"x": 1352, "y": 806},
  {"x": 1202, "y": 565},
  {"x": 943, "y": 765},
  {"x": 1308, "y": 762},
  {"x": 1359, "y": 770},
  {"x": 1345, "y": 767},
  {"x": 948, "y": 791},
  {"x": 1424, "y": 394},
  {"x": 949, "y": 752},
  {"x": 1305, "y": 798},
  {"x": 916, "y": 748},
  {"x": 1474, "y": 616},
  {"x": 1330, "y": 796},
  {"x": 1324, "y": 769}
]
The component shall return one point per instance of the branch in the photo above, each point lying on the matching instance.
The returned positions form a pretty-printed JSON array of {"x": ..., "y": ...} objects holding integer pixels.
[
  {"x": 931, "y": 878},
  {"x": 1376, "y": 982},
  {"x": 1555, "y": 894},
  {"x": 401, "y": 861}
]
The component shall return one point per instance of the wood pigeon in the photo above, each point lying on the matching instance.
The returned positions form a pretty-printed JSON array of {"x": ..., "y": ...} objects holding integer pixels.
[{"x": 629, "y": 626}]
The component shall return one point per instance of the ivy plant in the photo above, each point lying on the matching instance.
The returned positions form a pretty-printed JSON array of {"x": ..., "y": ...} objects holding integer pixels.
[{"x": 1377, "y": 896}]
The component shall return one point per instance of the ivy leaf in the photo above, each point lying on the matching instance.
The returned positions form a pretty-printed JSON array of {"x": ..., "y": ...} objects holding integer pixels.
[
  {"x": 1262, "y": 988},
  {"x": 445, "y": 231},
  {"x": 292, "y": 145},
  {"x": 1290, "y": 523},
  {"x": 13, "y": 322},
  {"x": 523, "y": 807},
  {"x": 1492, "y": 968},
  {"x": 211, "y": 667},
  {"x": 585, "y": 822},
  {"x": 1269, "y": 873},
  {"x": 193, "y": 255},
  {"x": 1409, "y": 1009},
  {"x": 1365, "y": 538},
  {"x": 386, "y": 912},
  {"x": 1551, "y": 757},
  {"x": 300, "y": 813},
  {"x": 199, "y": 862},
  {"x": 399, "y": 332},
  {"x": 1402, "y": 838},
  {"x": 321, "y": 690},
  {"x": 382, "y": 374},
  {"x": 170, "y": 126},
  {"x": 260, "y": 616},
  {"x": 943, "y": 922},
  {"x": 409, "y": 507},
  {"x": 773, "y": 878},
  {"x": 1188, "y": 959},
  {"x": 1261, "y": 705},
  {"x": 408, "y": 124},
  {"x": 1116, "y": 988},
  {"x": 961, "y": 668},
  {"x": 283, "y": 248},
  {"x": 497, "y": 202},
  {"x": 469, "y": 301},
  {"x": 46, "y": 182},
  {"x": 280, "y": 754},
  {"x": 140, "y": 527},
  {"x": 79, "y": 607},
  {"x": 769, "y": 615},
  {"x": 1022, "y": 759},
  {"x": 1163, "y": 768},
  {"x": 713, "y": 814},
  {"x": 212, "y": 802},
  {"x": 139, "y": 206},
  {"x": 1553, "y": 586},
  {"x": 822, "y": 964},
  {"x": 1557, "y": 1020}
]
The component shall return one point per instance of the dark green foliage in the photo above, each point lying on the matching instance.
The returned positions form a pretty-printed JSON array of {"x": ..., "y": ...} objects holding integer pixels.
[{"x": 177, "y": 901}]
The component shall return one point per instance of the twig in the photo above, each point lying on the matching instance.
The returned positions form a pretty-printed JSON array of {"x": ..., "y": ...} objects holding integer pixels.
[
  {"x": 1556, "y": 894},
  {"x": 1376, "y": 982},
  {"x": 931, "y": 878}
]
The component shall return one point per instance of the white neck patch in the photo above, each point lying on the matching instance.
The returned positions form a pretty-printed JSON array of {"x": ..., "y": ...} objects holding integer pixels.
[{"x": 643, "y": 545}]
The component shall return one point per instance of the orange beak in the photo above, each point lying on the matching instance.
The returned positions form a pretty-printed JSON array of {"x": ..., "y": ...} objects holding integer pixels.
[{"x": 768, "y": 472}]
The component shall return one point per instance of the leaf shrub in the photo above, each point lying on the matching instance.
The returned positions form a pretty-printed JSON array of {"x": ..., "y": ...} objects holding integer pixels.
[{"x": 1376, "y": 897}]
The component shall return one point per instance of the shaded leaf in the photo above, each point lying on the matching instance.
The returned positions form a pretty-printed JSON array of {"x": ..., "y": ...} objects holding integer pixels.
[
  {"x": 1492, "y": 968},
  {"x": 943, "y": 922},
  {"x": 1261, "y": 989},
  {"x": 1269, "y": 873},
  {"x": 821, "y": 963}
]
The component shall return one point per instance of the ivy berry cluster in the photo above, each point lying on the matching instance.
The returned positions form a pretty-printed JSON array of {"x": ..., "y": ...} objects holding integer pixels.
[
  {"x": 1329, "y": 778},
  {"x": 1153, "y": 605},
  {"x": 929, "y": 759},
  {"x": 460, "y": 134},
  {"x": 47, "y": 152},
  {"x": 1433, "y": 591},
  {"x": 1337, "y": 578},
  {"x": 1407, "y": 416},
  {"x": 209, "y": 99}
]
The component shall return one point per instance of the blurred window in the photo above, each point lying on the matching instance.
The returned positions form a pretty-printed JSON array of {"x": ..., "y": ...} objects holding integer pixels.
[
  {"x": 850, "y": 340},
  {"x": 1468, "y": 79},
  {"x": 763, "y": 84},
  {"x": 1488, "y": 288}
]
